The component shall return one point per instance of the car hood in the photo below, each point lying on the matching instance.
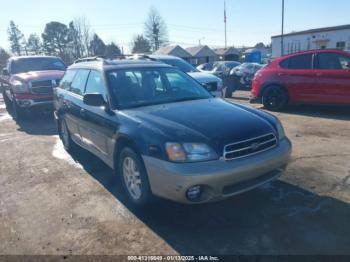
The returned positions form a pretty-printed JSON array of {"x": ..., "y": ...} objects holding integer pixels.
[
  {"x": 39, "y": 75},
  {"x": 204, "y": 78},
  {"x": 212, "y": 121}
]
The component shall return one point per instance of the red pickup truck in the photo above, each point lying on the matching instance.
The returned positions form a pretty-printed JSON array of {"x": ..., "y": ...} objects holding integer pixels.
[{"x": 28, "y": 81}]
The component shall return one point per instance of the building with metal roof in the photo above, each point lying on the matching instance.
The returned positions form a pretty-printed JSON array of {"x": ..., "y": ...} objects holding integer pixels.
[{"x": 319, "y": 38}]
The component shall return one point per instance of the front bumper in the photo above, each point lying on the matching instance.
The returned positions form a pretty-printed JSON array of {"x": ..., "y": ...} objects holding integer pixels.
[
  {"x": 34, "y": 101},
  {"x": 219, "y": 179}
]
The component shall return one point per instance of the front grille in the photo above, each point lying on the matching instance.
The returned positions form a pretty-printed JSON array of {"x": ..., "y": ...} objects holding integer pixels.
[
  {"x": 41, "y": 87},
  {"x": 249, "y": 147}
]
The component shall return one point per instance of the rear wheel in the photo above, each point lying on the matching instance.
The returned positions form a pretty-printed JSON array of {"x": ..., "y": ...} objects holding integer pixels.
[
  {"x": 275, "y": 98},
  {"x": 134, "y": 177}
]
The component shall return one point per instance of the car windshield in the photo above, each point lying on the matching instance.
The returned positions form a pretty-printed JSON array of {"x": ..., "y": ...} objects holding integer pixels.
[
  {"x": 180, "y": 64},
  {"x": 142, "y": 87},
  {"x": 23, "y": 65},
  {"x": 221, "y": 66},
  {"x": 232, "y": 64}
]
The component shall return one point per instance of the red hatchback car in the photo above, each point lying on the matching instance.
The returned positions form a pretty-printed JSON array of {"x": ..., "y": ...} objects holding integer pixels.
[{"x": 318, "y": 76}]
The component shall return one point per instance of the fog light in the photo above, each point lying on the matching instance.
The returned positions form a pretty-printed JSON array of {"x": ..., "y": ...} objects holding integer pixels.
[
  {"x": 194, "y": 193},
  {"x": 24, "y": 102}
]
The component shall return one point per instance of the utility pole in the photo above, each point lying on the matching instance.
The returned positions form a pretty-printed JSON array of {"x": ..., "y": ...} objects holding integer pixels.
[
  {"x": 225, "y": 21},
  {"x": 282, "y": 34}
]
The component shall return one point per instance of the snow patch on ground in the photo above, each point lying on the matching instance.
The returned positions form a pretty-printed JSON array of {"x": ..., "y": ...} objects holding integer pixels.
[
  {"x": 3, "y": 106},
  {"x": 60, "y": 153},
  {"x": 4, "y": 117}
]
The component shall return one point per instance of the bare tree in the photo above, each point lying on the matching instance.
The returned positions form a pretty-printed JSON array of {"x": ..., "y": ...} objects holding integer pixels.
[
  {"x": 75, "y": 41},
  {"x": 83, "y": 29},
  {"x": 156, "y": 29}
]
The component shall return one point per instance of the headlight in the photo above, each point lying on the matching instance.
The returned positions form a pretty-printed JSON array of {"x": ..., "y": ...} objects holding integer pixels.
[
  {"x": 280, "y": 130},
  {"x": 19, "y": 87},
  {"x": 189, "y": 152}
]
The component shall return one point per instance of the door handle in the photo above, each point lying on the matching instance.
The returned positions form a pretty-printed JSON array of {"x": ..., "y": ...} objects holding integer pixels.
[
  {"x": 318, "y": 74},
  {"x": 82, "y": 112},
  {"x": 281, "y": 74}
]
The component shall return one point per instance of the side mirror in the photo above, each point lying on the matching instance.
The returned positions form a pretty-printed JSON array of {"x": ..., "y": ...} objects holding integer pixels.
[
  {"x": 5, "y": 72},
  {"x": 94, "y": 100}
]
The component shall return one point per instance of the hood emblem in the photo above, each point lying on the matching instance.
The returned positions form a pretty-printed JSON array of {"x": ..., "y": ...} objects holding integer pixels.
[{"x": 254, "y": 146}]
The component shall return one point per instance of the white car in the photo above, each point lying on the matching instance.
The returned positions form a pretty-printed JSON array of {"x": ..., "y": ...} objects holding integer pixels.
[{"x": 211, "y": 82}]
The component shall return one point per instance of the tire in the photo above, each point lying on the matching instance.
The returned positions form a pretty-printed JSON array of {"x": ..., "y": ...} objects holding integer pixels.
[
  {"x": 63, "y": 132},
  {"x": 274, "y": 98},
  {"x": 134, "y": 178},
  {"x": 228, "y": 92},
  {"x": 232, "y": 87},
  {"x": 6, "y": 100},
  {"x": 18, "y": 112}
]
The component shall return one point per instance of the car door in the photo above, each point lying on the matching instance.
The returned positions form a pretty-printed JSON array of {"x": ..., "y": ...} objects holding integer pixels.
[
  {"x": 98, "y": 126},
  {"x": 297, "y": 73},
  {"x": 72, "y": 101},
  {"x": 333, "y": 77}
]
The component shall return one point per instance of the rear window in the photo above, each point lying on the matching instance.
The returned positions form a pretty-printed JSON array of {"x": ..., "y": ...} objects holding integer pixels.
[
  {"x": 298, "y": 62},
  {"x": 180, "y": 64},
  {"x": 23, "y": 65}
]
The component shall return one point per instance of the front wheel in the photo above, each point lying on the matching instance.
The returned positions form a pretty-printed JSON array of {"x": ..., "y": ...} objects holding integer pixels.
[
  {"x": 65, "y": 137},
  {"x": 18, "y": 112},
  {"x": 274, "y": 98},
  {"x": 6, "y": 100},
  {"x": 134, "y": 177}
]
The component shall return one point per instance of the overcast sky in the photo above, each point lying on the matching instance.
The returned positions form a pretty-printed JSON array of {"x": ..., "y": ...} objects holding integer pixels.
[{"x": 188, "y": 21}]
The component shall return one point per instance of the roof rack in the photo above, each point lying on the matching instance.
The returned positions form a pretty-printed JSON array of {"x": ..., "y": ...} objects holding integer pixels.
[
  {"x": 90, "y": 59},
  {"x": 104, "y": 59}
]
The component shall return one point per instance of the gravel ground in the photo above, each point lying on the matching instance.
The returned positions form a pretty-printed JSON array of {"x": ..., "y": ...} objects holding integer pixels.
[{"x": 55, "y": 203}]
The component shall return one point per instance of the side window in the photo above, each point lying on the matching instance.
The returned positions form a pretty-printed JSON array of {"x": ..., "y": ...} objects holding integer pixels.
[
  {"x": 176, "y": 81},
  {"x": 67, "y": 79},
  {"x": 79, "y": 81},
  {"x": 332, "y": 61},
  {"x": 95, "y": 84},
  {"x": 298, "y": 62},
  {"x": 134, "y": 78}
]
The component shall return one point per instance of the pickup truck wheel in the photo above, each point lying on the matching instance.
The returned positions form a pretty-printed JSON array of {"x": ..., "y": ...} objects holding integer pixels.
[
  {"x": 18, "y": 113},
  {"x": 134, "y": 177},
  {"x": 6, "y": 100},
  {"x": 274, "y": 98},
  {"x": 65, "y": 137}
]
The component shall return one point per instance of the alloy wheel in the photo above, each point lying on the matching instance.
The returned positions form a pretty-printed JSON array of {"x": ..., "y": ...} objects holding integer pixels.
[{"x": 132, "y": 178}]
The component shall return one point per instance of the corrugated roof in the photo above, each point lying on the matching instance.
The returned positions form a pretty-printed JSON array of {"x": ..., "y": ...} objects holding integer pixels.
[
  {"x": 195, "y": 50},
  {"x": 165, "y": 50},
  {"x": 317, "y": 30},
  {"x": 172, "y": 50}
]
